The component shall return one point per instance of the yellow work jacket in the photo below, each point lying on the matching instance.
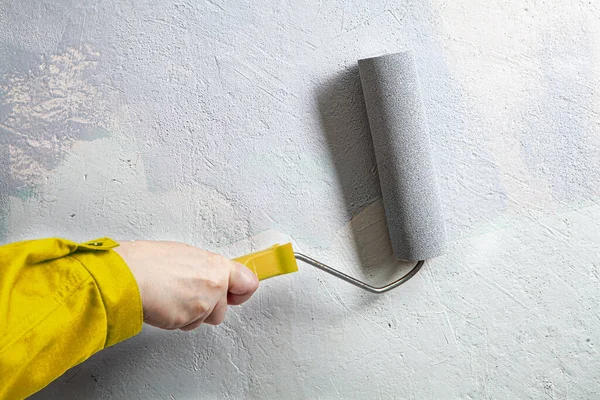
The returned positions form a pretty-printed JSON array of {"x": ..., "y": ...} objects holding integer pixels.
[{"x": 60, "y": 302}]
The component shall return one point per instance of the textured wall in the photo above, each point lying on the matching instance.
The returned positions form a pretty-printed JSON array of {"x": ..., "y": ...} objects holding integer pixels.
[{"x": 232, "y": 125}]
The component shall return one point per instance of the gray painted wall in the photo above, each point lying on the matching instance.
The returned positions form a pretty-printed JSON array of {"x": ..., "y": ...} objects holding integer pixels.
[{"x": 234, "y": 125}]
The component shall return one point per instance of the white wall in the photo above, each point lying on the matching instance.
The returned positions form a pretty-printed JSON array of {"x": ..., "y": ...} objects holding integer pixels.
[{"x": 233, "y": 125}]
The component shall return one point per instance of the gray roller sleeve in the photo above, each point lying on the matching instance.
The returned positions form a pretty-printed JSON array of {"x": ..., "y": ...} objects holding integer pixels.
[{"x": 403, "y": 152}]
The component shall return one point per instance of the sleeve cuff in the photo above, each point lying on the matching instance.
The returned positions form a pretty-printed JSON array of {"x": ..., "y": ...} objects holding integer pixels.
[{"x": 118, "y": 288}]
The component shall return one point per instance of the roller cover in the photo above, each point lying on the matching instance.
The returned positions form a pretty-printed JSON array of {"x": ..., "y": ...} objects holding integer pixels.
[{"x": 403, "y": 152}]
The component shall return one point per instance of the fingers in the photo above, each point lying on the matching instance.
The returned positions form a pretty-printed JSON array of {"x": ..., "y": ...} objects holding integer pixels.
[
  {"x": 236, "y": 300},
  {"x": 241, "y": 285},
  {"x": 218, "y": 314},
  {"x": 192, "y": 326},
  {"x": 214, "y": 317}
]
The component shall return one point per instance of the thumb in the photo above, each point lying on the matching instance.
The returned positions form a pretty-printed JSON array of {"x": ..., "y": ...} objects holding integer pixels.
[{"x": 242, "y": 284}]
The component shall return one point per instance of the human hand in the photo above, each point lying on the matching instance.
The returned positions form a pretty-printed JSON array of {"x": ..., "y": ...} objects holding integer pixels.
[{"x": 183, "y": 286}]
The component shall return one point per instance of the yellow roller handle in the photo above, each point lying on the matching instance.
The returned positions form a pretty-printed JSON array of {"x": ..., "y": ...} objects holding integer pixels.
[{"x": 276, "y": 260}]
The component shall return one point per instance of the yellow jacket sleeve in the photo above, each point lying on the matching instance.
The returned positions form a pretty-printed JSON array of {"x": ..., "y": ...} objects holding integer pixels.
[{"x": 60, "y": 302}]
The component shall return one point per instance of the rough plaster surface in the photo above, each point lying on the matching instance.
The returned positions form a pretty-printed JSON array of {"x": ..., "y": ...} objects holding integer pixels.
[{"x": 233, "y": 125}]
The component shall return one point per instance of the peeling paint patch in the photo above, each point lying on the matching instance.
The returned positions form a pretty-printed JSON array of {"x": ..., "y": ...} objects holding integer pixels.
[{"x": 45, "y": 110}]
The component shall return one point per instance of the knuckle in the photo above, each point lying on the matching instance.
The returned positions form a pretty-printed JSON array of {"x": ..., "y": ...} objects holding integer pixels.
[
  {"x": 215, "y": 259},
  {"x": 179, "y": 322},
  {"x": 215, "y": 283},
  {"x": 200, "y": 308}
]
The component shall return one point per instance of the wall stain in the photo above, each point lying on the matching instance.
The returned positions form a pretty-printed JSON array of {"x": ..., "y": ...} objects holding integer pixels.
[{"x": 44, "y": 110}]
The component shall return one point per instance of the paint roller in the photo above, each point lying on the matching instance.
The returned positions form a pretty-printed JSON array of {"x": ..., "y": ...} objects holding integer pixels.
[{"x": 406, "y": 174}]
